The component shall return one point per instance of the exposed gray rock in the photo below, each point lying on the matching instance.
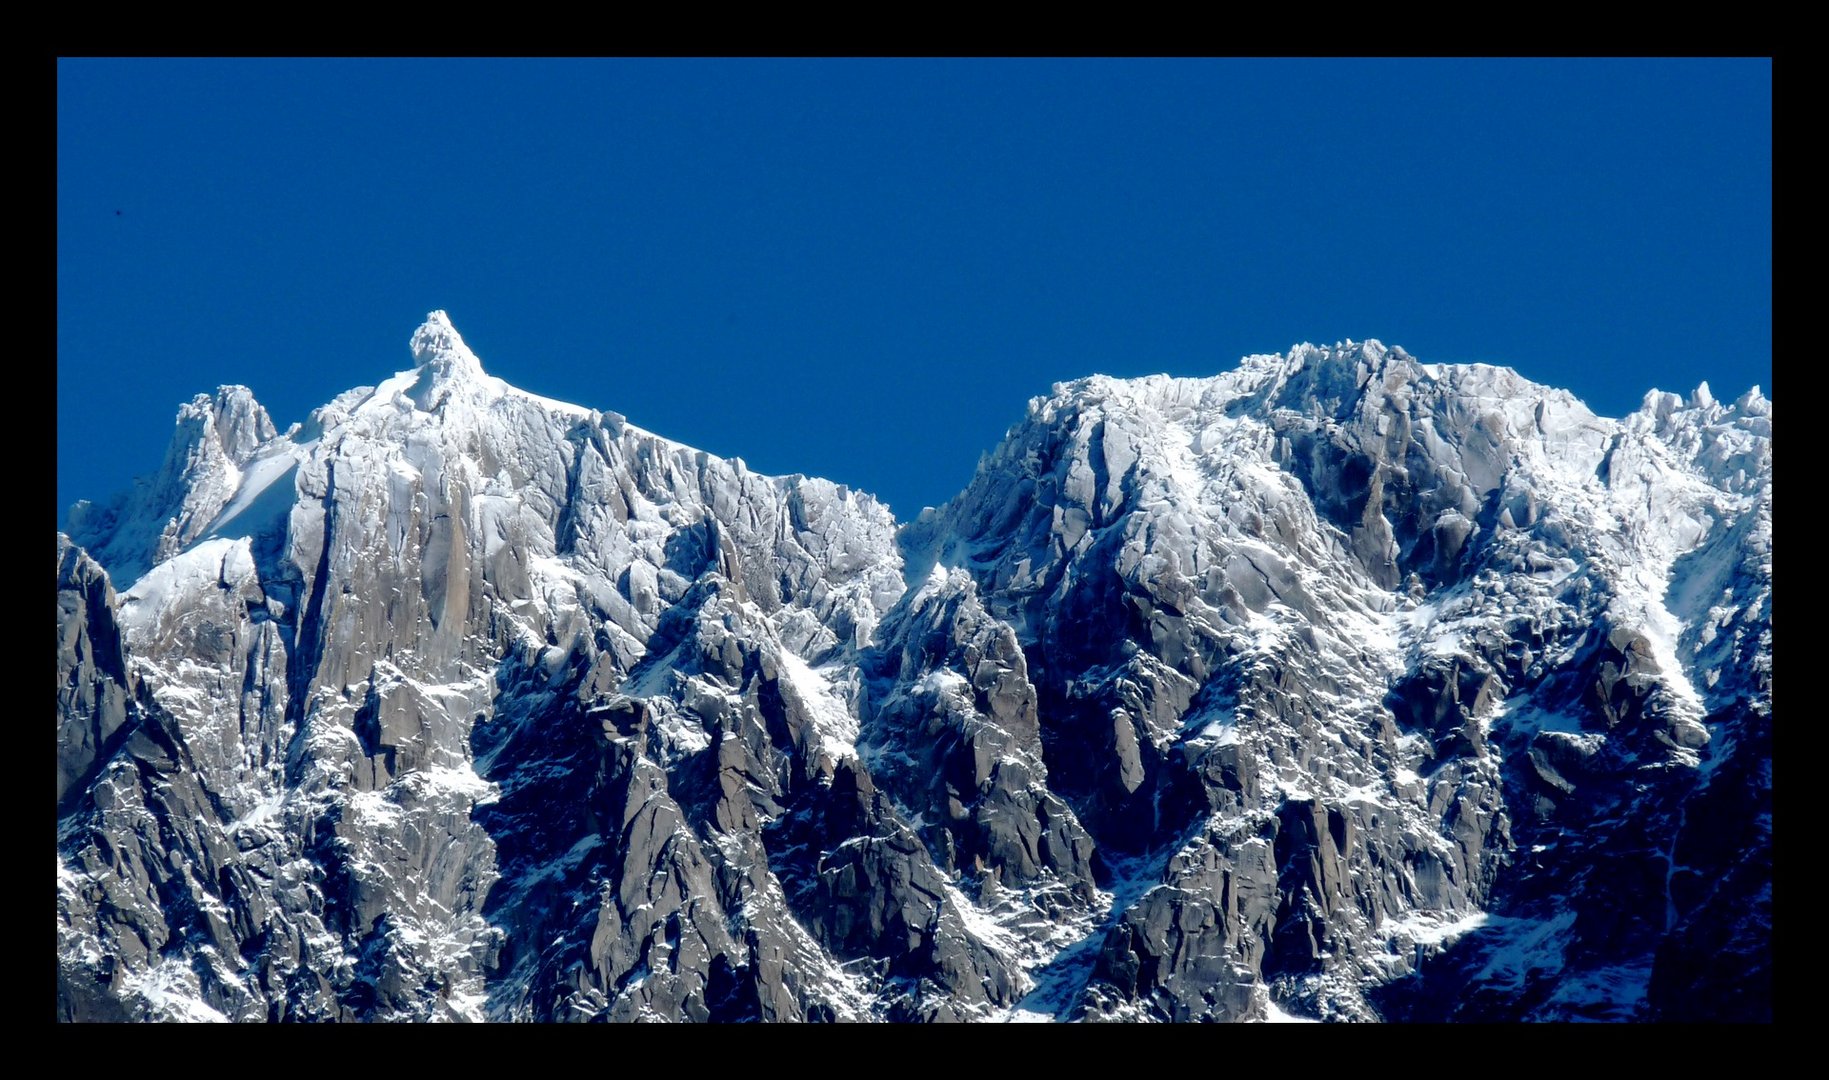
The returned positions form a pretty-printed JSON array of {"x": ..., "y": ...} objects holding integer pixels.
[{"x": 94, "y": 689}]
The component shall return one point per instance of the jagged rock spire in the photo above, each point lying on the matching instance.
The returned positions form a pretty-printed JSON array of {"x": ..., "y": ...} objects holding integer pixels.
[{"x": 438, "y": 346}]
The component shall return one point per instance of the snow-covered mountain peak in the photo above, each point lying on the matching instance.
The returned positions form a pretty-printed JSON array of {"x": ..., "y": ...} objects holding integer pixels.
[
  {"x": 1336, "y": 684},
  {"x": 1371, "y": 351},
  {"x": 231, "y": 415},
  {"x": 213, "y": 437},
  {"x": 437, "y": 345},
  {"x": 444, "y": 364}
]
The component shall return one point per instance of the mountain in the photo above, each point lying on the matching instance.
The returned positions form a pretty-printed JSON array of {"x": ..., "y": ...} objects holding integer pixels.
[{"x": 1337, "y": 686}]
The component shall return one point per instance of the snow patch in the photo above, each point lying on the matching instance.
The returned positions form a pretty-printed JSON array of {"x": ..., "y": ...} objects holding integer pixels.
[
  {"x": 171, "y": 992},
  {"x": 837, "y": 727},
  {"x": 175, "y": 582},
  {"x": 1433, "y": 928}
]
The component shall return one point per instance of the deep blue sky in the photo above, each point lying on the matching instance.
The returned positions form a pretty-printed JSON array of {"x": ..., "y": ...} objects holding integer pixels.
[{"x": 863, "y": 269}]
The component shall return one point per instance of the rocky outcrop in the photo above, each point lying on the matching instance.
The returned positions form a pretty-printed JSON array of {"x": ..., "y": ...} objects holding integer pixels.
[
  {"x": 1340, "y": 685},
  {"x": 95, "y": 691}
]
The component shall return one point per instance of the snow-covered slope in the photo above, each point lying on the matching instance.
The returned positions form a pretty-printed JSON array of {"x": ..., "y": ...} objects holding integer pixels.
[{"x": 1336, "y": 686}]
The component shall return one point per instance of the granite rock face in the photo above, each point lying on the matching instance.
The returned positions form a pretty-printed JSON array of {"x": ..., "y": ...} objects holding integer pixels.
[{"x": 1338, "y": 686}]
